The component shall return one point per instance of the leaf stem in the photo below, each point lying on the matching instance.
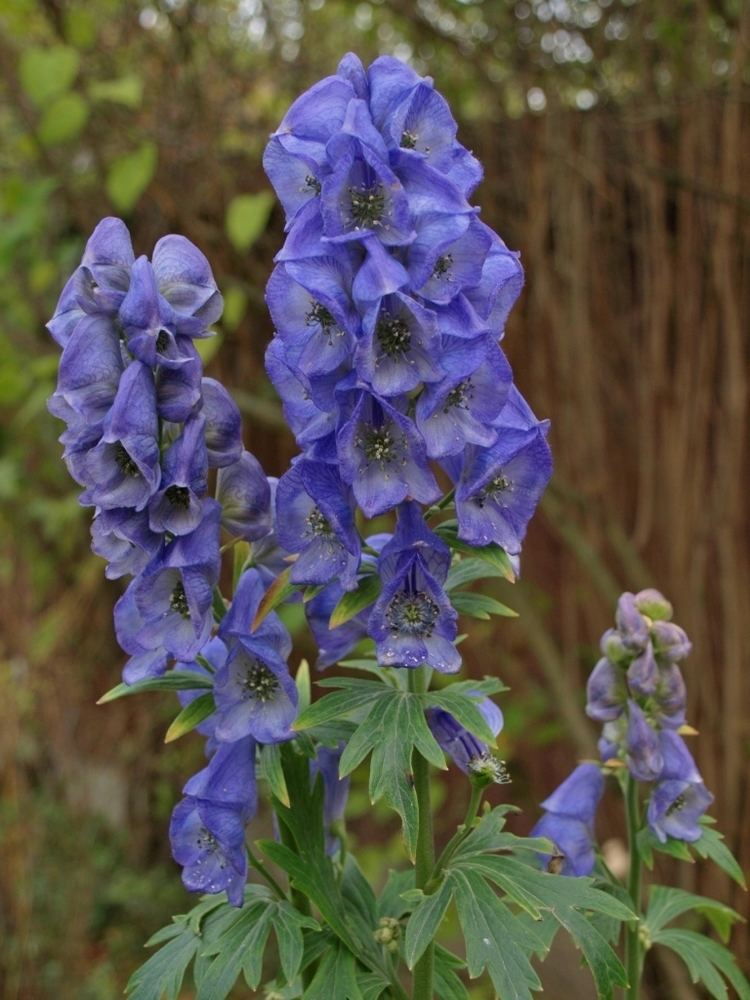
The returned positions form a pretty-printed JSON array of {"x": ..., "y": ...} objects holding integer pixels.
[
  {"x": 424, "y": 970},
  {"x": 258, "y": 865},
  {"x": 462, "y": 832},
  {"x": 632, "y": 939}
]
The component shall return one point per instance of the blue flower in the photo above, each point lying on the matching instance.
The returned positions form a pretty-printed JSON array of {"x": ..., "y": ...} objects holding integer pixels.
[
  {"x": 412, "y": 621},
  {"x": 605, "y": 692},
  {"x": 631, "y": 623},
  {"x": 315, "y": 518},
  {"x": 223, "y": 424},
  {"x": 237, "y": 622},
  {"x": 499, "y": 488},
  {"x": 173, "y": 595},
  {"x": 643, "y": 673},
  {"x": 569, "y": 821},
  {"x": 123, "y": 537},
  {"x": 123, "y": 469},
  {"x": 644, "y": 755},
  {"x": 244, "y": 493},
  {"x": 461, "y": 410},
  {"x": 398, "y": 344},
  {"x": 177, "y": 507},
  {"x": 675, "y": 809},
  {"x": 383, "y": 457},
  {"x": 255, "y": 695},
  {"x": 208, "y": 841},
  {"x": 467, "y": 750}
]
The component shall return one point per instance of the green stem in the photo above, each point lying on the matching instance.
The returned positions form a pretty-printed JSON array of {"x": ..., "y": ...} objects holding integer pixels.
[
  {"x": 424, "y": 970},
  {"x": 632, "y": 939},
  {"x": 258, "y": 865},
  {"x": 461, "y": 833}
]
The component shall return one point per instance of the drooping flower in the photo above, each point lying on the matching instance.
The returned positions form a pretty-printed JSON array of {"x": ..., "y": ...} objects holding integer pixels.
[
  {"x": 569, "y": 821},
  {"x": 467, "y": 751}
]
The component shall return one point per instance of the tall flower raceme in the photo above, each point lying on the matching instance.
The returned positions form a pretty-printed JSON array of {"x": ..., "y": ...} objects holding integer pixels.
[
  {"x": 637, "y": 690},
  {"x": 389, "y": 299},
  {"x": 144, "y": 430}
]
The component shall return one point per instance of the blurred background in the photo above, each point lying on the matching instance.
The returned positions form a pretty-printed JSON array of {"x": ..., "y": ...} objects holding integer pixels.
[{"x": 612, "y": 134}]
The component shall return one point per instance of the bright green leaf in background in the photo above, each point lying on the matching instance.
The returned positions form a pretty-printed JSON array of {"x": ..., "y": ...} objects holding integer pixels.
[
  {"x": 247, "y": 217},
  {"x": 63, "y": 119},
  {"x": 127, "y": 90},
  {"x": 48, "y": 72},
  {"x": 130, "y": 175}
]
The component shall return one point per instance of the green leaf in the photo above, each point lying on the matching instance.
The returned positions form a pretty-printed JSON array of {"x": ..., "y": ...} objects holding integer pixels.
[
  {"x": 425, "y": 920},
  {"x": 471, "y": 569},
  {"x": 711, "y": 845},
  {"x": 288, "y": 924},
  {"x": 492, "y": 938},
  {"x": 239, "y": 948},
  {"x": 161, "y": 976},
  {"x": 46, "y": 73},
  {"x": 464, "y": 709},
  {"x": 63, "y": 119},
  {"x": 448, "y": 986},
  {"x": 273, "y": 772},
  {"x": 126, "y": 90},
  {"x": 390, "y": 901},
  {"x": 666, "y": 904},
  {"x": 247, "y": 217},
  {"x": 372, "y": 985},
  {"x": 337, "y": 704},
  {"x": 707, "y": 962},
  {"x": 175, "y": 680},
  {"x": 480, "y": 606},
  {"x": 648, "y": 842},
  {"x": 191, "y": 716},
  {"x": 336, "y": 976},
  {"x": 129, "y": 176},
  {"x": 276, "y": 594},
  {"x": 354, "y": 601}
]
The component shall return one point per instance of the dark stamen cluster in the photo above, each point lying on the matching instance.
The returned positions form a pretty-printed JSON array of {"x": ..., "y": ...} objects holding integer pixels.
[
  {"x": 443, "y": 265},
  {"x": 318, "y": 315},
  {"x": 378, "y": 444},
  {"x": 459, "y": 395},
  {"x": 408, "y": 139},
  {"x": 394, "y": 335},
  {"x": 259, "y": 683},
  {"x": 124, "y": 462},
  {"x": 677, "y": 805},
  {"x": 178, "y": 496},
  {"x": 162, "y": 341},
  {"x": 493, "y": 490},
  {"x": 312, "y": 184},
  {"x": 367, "y": 206},
  {"x": 317, "y": 523},
  {"x": 415, "y": 614},
  {"x": 178, "y": 601}
]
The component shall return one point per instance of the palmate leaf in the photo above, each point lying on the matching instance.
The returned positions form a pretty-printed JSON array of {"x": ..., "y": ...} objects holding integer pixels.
[
  {"x": 480, "y": 606},
  {"x": 448, "y": 986},
  {"x": 425, "y": 920},
  {"x": 471, "y": 569},
  {"x": 355, "y": 693},
  {"x": 666, "y": 904},
  {"x": 336, "y": 976},
  {"x": 393, "y": 729},
  {"x": 711, "y": 845},
  {"x": 707, "y": 962},
  {"x": 160, "y": 978}
]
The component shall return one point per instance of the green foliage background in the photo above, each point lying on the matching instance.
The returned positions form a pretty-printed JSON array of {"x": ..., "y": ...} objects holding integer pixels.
[{"x": 613, "y": 135}]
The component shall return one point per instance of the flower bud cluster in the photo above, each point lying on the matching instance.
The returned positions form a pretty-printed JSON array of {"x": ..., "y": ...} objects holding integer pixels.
[
  {"x": 389, "y": 299},
  {"x": 637, "y": 690}
]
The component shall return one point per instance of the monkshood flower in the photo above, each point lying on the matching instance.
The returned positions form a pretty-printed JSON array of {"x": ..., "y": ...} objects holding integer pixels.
[
  {"x": 207, "y": 831},
  {"x": 467, "y": 751},
  {"x": 255, "y": 694},
  {"x": 383, "y": 457},
  {"x": 244, "y": 492},
  {"x": 498, "y": 488},
  {"x": 315, "y": 518},
  {"x": 413, "y": 621},
  {"x": 177, "y": 507},
  {"x": 569, "y": 821},
  {"x": 124, "y": 538},
  {"x": 680, "y": 797},
  {"x": 169, "y": 605}
]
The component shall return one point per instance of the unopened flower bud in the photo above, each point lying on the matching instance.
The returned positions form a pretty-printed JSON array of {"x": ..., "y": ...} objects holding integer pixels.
[
  {"x": 643, "y": 673},
  {"x": 653, "y": 604},
  {"x": 613, "y": 647},
  {"x": 670, "y": 641},
  {"x": 644, "y": 754},
  {"x": 631, "y": 624},
  {"x": 605, "y": 692}
]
